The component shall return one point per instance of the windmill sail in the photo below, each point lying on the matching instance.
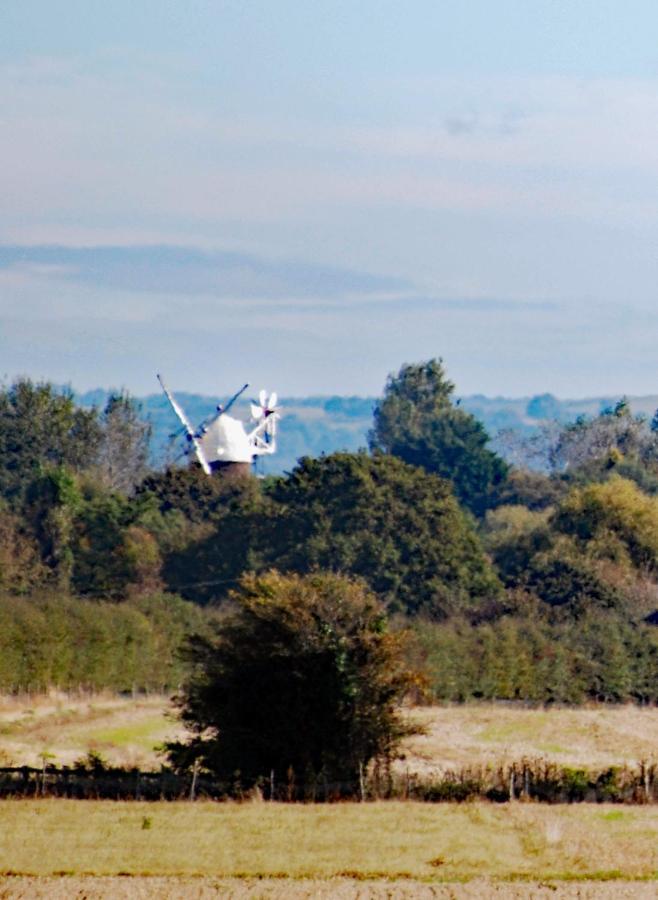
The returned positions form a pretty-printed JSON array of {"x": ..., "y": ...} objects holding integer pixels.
[{"x": 187, "y": 425}]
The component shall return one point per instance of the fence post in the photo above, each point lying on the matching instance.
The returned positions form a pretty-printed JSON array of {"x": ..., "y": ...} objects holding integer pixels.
[
  {"x": 362, "y": 789},
  {"x": 271, "y": 785},
  {"x": 195, "y": 772},
  {"x": 511, "y": 784}
]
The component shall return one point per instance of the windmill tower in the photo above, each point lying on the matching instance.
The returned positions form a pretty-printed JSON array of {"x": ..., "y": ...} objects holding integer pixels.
[{"x": 221, "y": 444}]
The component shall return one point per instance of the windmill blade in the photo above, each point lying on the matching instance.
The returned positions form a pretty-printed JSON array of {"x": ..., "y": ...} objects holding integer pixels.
[
  {"x": 235, "y": 397},
  {"x": 271, "y": 403},
  {"x": 189, "y": 431},
  {"x": 270, "y": 424},
  {"x": 256, "y": 411},
  {"x": 262, "y": 397}
]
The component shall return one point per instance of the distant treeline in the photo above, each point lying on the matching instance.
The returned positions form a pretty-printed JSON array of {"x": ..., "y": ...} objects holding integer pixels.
[
  {"x": 518, "y": 582},
  {"x": 315, "y": 425}
]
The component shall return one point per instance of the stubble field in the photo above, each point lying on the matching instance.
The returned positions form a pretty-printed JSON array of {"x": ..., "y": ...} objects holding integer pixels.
[
  {"x": 60, "y": 848},
  {"x": 300, "y": 848},
  {"x": 128, "y": 731}
]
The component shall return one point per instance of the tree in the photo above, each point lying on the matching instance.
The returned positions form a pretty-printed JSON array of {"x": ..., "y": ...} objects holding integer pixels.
[
  {"x": 41, "y": 427},
  {"x": 613, "y": 520},
  {"x": 124, "y": 447},
  {"x": 391, "y": 524},
  {"x": 385, "y": 521},
  {"x": 51, "y": 503},
  {"x": 303, "y": 679},
  {"x": 417, "y": 421}
]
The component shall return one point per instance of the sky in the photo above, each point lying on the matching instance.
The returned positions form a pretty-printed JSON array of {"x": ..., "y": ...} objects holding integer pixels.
[{"x": 308, "y": 195}]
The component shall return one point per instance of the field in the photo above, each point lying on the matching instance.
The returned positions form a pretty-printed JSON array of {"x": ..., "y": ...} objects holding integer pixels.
[
  {"x": 61, "y": 849},
  {"x": 127, "y": 731},
  {"x": 304, "y": 848}
]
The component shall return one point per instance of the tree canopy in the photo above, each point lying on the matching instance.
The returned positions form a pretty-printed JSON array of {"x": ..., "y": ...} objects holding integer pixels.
[
  {"x": 418, "y": 421},
  {"x": 303, "y": 679},
  {"x": 392, "y": 524},
  {"x": 40, "y": 427}
]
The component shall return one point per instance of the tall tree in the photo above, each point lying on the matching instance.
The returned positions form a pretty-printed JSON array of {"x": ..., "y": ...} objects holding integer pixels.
[
  {"x": 392, "y": 524},
  {"x": 417, "y": 421},
  {"x": 40, "y": 427},
  {"x": 124, "y": 447}
]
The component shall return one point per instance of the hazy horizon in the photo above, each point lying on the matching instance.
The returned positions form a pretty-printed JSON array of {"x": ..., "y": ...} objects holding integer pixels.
[{"x": 307, "y": 197}]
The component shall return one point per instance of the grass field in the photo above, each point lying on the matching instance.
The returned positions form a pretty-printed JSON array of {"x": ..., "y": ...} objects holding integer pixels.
[
  {"x": 298, "y": 846},
  {"x": 124, "y": 730},
  {"x": 62, "y": 849},
  {"x": 127, "y": 731}
]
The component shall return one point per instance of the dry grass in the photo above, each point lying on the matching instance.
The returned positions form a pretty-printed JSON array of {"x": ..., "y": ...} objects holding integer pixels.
[
  {"x": 63, "y": 849},
  {"x": 379, "y": 841},
  {"x": 596, "y": 736},
  {"x": 126, "y": 731}
]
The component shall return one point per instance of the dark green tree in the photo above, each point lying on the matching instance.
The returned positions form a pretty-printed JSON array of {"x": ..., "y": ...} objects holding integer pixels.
[
  {"x": 42, "y": 427},
  {"x": 388, "y": 522},
  {"x": 417, "y": 421},
  {"x": 102, "y": 566},
  {"x": 395, "y": 526},
  {"x": 51, "y": 504},
  {"x": 303, "y": 679}
]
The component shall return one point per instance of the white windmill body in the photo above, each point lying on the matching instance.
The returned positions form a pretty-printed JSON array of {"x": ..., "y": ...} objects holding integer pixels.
[
  {"x": 222, "y": 443},
  {"x": 225, "y": 440}
]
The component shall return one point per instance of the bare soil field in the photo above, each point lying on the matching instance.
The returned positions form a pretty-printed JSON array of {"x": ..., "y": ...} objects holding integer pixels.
[
  {"x": 172, "y": 888},
  {"x": 128, "y": 731}
]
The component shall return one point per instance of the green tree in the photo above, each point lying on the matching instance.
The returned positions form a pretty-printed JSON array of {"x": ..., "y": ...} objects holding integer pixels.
[
  {"x": 612, "y": 520},
  {"x": 303, "y": 679},
  {"x": 388, "y": 522},
  {"x": 417, "y": 421},
  {"x": 398, "y": 528},
  {"x": 41, "y": 427},
  {"x": 51, "y": 504}
]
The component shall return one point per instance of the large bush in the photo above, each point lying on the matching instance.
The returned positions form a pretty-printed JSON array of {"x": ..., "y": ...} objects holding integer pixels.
[{"x": 303, "y": 679}]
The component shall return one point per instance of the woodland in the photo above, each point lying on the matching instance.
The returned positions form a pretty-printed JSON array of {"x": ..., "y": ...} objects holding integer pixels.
[{"x": 508, "y": 582}]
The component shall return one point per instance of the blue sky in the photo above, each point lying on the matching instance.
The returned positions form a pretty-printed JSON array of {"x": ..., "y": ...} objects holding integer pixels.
[{"x": 306, "y": 195}]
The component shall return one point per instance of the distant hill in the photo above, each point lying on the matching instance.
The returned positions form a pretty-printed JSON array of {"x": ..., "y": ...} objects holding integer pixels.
[{"x": 314, "y": 425}]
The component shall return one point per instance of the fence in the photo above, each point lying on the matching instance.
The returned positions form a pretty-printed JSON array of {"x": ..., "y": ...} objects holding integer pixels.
[{"x": 527, "y": 780}]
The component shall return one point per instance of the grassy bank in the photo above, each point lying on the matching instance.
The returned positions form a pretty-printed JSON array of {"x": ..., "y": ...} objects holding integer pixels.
[{"x": 399, "y": 841}]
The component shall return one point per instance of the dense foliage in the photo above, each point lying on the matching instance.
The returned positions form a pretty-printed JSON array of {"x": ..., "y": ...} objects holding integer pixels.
[
  {"x": 418, "y": 421},
  {"x": 303, "y": 677},
  {"x": 373, "y": 516},
  {"x": 63, "y": 642},
  {"x": 548, "y": 593}
]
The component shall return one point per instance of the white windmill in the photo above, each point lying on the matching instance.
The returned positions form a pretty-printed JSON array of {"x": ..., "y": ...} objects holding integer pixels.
[{"x": 221, "y": 443}]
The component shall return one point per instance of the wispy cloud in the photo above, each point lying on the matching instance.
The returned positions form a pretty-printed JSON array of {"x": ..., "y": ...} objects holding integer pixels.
[{"x": 185, "y": 271}]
